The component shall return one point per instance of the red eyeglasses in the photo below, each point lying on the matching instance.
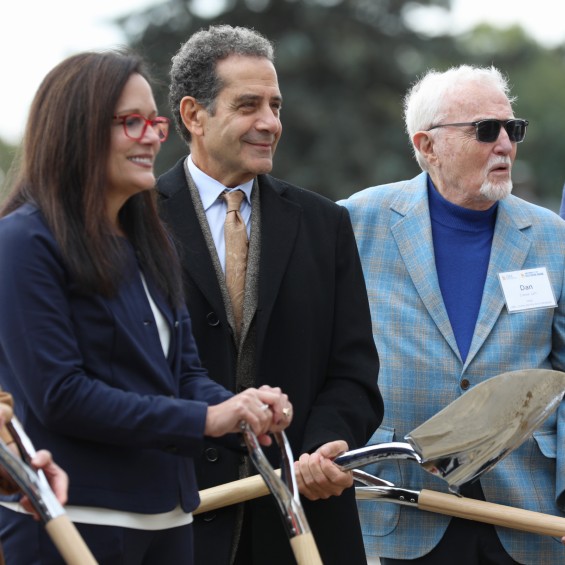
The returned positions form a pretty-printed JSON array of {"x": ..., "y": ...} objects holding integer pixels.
[{"x": 135, "y": 126}]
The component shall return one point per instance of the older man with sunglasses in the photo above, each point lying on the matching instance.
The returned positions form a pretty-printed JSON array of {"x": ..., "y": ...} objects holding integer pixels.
[{"x": 465, "y": 282}]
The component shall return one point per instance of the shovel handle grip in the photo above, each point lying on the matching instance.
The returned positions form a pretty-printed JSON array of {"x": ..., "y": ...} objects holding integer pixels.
[
  {"x": 491, "y": 513},
  {"x": 432, "y": 501},
  {"x": 305, "y": 549},
  {"x": 232, "y": 493},
  {"x": 303, "y": 545},
  {"x": 68, "y": 541}
]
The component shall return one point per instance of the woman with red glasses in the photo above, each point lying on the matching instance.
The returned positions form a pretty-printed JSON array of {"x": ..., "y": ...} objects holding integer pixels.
[{"x": 95, "y": 342}]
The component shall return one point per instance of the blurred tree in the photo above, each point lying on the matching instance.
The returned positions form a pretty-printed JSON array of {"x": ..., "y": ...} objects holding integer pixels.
[
  {"x": 342, "y": 111},
  {"x": 344, "y": 67},
  {"x": 7, "y": 153}
]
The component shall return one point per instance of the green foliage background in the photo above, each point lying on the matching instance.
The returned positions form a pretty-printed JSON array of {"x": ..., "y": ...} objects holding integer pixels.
[{"x": 344, "y": 66}]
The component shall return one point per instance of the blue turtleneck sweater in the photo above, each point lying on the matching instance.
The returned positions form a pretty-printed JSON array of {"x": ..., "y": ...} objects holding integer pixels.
[{"x": 462, "y": 241}]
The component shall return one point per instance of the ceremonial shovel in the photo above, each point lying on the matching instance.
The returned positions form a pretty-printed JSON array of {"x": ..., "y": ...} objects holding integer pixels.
[
  {"x": 33, "y": 483},
  {"x": 458, "y": 444},
  {"x": 285, "y": 491}
]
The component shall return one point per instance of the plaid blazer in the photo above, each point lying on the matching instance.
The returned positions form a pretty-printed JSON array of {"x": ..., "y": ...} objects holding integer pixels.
[{"x": 421, "y": 369}]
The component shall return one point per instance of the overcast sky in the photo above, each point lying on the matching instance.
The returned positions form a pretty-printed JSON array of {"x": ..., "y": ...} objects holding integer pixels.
[{"x": 37, "y": 34}]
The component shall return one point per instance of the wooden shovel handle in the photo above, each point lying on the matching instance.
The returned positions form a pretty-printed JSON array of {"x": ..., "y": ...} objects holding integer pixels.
[
  {"x": 432, "y": 501},
  {"x": 491, "y": 513},
  {"x": 303, "y": 545},
  {"x": 69, "y": 542},
  {"x": 305, "y": 549},
  {"x": 232, "y": 493}
]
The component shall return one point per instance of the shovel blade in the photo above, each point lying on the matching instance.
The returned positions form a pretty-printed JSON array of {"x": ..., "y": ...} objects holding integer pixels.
[{"x": 470, "y": 435}]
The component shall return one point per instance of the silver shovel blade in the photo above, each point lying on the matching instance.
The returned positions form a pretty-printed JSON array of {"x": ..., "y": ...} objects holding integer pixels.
[{"x": 473, "y": 433}]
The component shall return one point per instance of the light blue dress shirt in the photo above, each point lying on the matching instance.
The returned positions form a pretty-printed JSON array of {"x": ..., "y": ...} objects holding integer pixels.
[{"x": 215, "y": 206}]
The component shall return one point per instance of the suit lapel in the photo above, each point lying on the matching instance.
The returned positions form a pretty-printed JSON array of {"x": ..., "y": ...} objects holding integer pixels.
[
  {"x": 413, "y": 234},
  {"x": 510, "y": 247},
  {"x": 280, "y": 221},
  {"x": 179, "y": 211}
]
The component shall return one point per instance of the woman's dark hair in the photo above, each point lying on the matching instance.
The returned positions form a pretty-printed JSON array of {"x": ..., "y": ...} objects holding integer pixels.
[{"x": 62, "y": 169}]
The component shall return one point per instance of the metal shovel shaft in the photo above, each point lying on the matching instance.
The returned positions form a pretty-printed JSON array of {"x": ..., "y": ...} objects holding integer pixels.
[
  {"x": 34, "y": 485},
  {"x": 286, "y": 494}
]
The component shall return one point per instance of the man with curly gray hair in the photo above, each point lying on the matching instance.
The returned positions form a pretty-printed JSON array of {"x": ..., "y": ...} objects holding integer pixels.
[
  {"x": 305, "y": 323},
  {"x": 193, "y": 67}
]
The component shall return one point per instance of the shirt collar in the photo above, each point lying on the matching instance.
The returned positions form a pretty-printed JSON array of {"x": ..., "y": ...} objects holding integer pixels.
[{"x": 210, "y": 189}]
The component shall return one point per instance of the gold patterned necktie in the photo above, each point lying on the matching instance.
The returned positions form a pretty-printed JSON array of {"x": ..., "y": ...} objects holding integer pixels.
[{"x": 237, "y": 244}]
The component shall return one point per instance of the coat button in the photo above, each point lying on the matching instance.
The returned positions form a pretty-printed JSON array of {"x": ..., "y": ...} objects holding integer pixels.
[
  {"x": 465, "y": 384},
  {"x": 212, "y": 319},
  {"x": 211, "y": 454}
]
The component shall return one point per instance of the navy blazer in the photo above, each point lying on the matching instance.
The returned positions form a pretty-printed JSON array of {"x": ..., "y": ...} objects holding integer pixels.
[
  {"x": 313, "y": 339},
  {"x": 90, "y": 379}
]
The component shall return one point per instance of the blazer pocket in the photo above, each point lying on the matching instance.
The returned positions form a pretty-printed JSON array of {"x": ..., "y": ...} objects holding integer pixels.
[
  {"x": 547, "y": 443},
  {"x": 381, "y": 518}
]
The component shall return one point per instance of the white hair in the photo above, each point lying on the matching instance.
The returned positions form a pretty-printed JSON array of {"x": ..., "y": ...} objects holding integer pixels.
[{"x": 424, "y": 103}]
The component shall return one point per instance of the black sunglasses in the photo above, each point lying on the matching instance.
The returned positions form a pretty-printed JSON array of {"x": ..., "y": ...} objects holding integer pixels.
[{"x": 488, "y": 131}]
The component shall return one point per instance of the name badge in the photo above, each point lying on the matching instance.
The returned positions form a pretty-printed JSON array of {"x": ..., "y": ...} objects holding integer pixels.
[{"x": 527, "y": 290}]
